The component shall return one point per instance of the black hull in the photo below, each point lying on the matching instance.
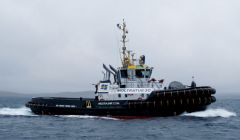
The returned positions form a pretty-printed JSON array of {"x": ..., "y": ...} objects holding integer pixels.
[{"x": 159, "y": 103}]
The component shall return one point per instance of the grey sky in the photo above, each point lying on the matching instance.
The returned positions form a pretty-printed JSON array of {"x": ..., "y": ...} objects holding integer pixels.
[{"x": 59, "y": 45}]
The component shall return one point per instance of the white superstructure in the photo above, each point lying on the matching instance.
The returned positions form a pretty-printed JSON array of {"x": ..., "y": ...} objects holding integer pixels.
[{"x": 132, "y": 81}]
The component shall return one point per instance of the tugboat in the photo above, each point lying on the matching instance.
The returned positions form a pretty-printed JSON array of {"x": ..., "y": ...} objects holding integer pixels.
[{"x": 130, "y": 93}]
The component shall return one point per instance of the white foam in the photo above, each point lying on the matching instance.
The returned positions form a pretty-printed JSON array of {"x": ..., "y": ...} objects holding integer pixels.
[
  {"x": 87, "y": 117},
  {"x": 219, "y": 112},
  {"x": 21, "y": 111}
]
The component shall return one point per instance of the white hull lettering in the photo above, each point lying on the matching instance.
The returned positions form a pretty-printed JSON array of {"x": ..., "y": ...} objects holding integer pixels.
[
  {"x": 135, "y": 90},
  {"x": 108, "y": 103}
]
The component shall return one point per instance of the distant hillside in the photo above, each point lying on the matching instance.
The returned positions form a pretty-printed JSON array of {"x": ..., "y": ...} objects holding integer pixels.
[
  {"x": 90, "y": 94},
  {"x": 86, "y": 94},
  {"x": 11, "y": 94}
]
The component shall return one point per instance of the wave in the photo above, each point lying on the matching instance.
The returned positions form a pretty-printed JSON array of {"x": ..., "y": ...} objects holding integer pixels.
[
  {"x": 219, "y": 112},
  {"x": 87, "y": 117},
  {"x": 24, "y": 111},
  {"x": 21, "y": 111}
]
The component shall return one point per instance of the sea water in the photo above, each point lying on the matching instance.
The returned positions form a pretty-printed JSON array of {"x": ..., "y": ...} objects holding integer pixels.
[{"x": 220, "y": 121}]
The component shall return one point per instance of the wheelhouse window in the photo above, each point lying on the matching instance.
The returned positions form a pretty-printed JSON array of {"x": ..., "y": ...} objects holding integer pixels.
[
  {"x": 140, "y": 73},
  {"x": 148, "y": 73},
  {"x": 124, "y": 74},
  {"x": 143, "y": 73}
]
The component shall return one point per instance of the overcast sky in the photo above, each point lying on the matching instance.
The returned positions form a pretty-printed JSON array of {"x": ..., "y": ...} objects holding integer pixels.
[{"x": 60, "y": 45}]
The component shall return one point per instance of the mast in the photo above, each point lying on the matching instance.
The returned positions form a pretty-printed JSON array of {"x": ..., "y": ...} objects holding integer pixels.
[{"x": 125, "y": 53}]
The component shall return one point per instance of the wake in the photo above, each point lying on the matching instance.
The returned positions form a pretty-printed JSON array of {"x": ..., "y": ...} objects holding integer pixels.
[
  {"x": 219, "y": 112},
  {"x": 21, "y": 111},
  {"x": 24, "y": 111}
]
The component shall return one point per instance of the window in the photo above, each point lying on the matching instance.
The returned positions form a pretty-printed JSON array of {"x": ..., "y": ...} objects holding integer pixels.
[
  {"x": 142, "y": 73},
  {"x": 139, "y": 73},
  {"x": 148, "y": 73},
  {"x": 124, "y": 74},
  {"x": 126, "y": 95},
  {"x": 119, "y": 95}
]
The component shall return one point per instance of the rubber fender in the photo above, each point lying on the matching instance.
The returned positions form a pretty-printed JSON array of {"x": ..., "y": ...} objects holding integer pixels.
[
  {"x": 213, "y": 99},
  {"x": 213, "y": 91}
]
